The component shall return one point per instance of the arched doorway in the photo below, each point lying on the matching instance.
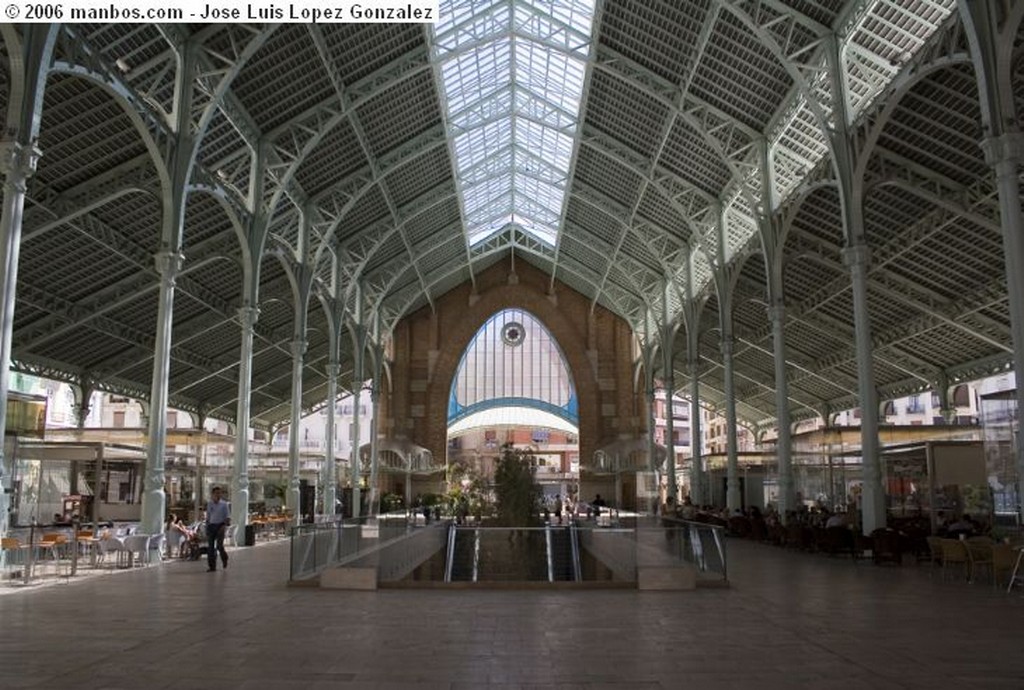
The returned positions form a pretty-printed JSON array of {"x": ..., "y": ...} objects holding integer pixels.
[{"x": 513, "y": 386}]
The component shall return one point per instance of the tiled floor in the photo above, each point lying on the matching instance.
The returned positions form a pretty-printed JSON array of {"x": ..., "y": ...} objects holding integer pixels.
[{"x": 790, "y": 620}]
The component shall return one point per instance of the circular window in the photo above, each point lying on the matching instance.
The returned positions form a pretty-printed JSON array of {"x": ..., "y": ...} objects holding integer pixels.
[{"x": 513, "y": 334}]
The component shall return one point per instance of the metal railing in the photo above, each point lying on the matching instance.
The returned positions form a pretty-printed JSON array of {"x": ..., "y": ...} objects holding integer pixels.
[
  {"x": 577, "y": 568},
  {"x": 450, "y": 555},
  {"x": 700, "y": 544},
  {"x": 398, "y": 557},
  {"x": 483, "y": 554},
  {"x": 319, "y": 545},
  {"x": 551, "y": 564},
  {"x": 490, "y": 554},
  {"x": 587, "y": 552}
]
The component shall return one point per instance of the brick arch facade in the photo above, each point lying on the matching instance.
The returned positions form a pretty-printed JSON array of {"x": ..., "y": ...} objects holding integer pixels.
[
  {"x": 571, "y": 341},
  {"x": 428, "y": 345}
]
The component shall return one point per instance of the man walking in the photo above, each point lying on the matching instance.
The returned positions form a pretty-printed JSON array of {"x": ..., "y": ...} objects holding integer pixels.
[{"x": 218, "y": 519}]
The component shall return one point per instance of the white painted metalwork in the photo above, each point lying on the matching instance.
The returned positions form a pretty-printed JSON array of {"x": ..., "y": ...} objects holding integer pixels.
[{"x": 616, "y": 147}]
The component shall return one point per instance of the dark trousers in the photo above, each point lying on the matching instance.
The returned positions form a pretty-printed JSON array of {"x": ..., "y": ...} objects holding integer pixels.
[{"x": 215, "y": 533}]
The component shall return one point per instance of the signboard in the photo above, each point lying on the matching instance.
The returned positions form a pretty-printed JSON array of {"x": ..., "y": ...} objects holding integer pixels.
[{"x": 26, "y": 415}]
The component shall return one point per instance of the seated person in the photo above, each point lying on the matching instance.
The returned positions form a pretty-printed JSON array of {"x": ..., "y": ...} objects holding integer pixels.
[
  {"x": 836, "y": 520},
  {"x": 961, "y": 526},
  {"x": 176, "y": 524},
  {"x": 194, "y": 545},
  {"x": 61, "y": 520}
]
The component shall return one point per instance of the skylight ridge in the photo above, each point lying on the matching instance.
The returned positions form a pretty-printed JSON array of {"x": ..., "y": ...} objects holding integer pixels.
[{"x": 512, "y": 76}]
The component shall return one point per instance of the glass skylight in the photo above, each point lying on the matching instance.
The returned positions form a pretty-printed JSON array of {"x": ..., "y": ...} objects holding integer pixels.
[{"x": 512, "y": 74}]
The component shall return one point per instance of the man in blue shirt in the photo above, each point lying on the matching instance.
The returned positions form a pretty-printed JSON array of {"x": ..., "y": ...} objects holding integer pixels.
[{"x": 218, "y": 519}]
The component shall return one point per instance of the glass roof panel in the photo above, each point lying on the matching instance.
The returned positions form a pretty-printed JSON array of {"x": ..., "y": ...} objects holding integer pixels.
[
  {"x": 512, "y": 72},
  {"x": 479, "y": 196},
  {"x": 465, "y": 22},
  {"x": 532, "y": 165},
  {"x": 552, "y": 145},
  {"x": 482, "y": 142},
  {"x": 472, "y": 76},
  {"x": 494, "y": 106},
  {"x": 542, "y": 233},
  {"x": 556, "y": 77},
  {"x": 540, "y": 201}
]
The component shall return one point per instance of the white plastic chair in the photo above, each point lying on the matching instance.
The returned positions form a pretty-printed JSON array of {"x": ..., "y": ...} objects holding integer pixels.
[
  {"x": 137, "y": 546},
  {"x": 112, "y": 545},
  {"x": 15, "y": 555},
  {"x": 156, "y": 547}
]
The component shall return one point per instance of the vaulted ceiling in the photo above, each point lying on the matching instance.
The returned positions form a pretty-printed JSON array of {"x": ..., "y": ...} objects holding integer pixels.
[{"x": 629, "y": 149}]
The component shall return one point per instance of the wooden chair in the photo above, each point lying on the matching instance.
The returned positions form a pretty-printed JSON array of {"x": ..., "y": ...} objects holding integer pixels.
[
  {"x": 837, "y": 540},
  {"x": 1004, "y": 557},
  {"x": 862, "y": 544},
  {"x": 53, "y": 545},
  {"x": 979, "y": 550},
  {"x": 10, "y": 543},
  {"x": 758, "y": 530},
  {"x": 954, "y": 552},
  {"x": 887, "y": 546}
]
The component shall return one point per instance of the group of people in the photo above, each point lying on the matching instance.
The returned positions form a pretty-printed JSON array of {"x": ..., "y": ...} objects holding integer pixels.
[
  {"x": 556, "y": 507},
  {"x": 965, "y": 525},
  {"x": 688, "y": 510}
]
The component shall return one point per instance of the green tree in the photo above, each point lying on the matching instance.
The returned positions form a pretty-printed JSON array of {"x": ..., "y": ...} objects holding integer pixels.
[
  {"x": 516, "y": 490},
  {"x": 467, "y": 489}
]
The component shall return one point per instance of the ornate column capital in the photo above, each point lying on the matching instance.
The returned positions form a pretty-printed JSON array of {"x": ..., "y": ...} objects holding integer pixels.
[
  {"x": 726, "y": 345},
  {"x": 248, "y": 316},
  {"x": 1006, "y": 148},
  {"x": 857, "y": 256},
  {"x": 81, "y": 411},
  {"x": 298, "y": 346},
  {"x": 18, "y": 162},
  {"x": 333, "y": 370},
  {"x": 168, "y": 264}
]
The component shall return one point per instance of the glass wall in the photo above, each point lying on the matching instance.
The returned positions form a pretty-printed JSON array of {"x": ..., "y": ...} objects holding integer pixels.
[{"x": 512, "y": 360}]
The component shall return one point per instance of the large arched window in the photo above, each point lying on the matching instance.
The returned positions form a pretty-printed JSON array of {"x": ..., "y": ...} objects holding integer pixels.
[{"x": 513, "y": 362}]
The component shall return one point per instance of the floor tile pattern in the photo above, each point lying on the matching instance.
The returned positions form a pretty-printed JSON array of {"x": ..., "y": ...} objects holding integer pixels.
[{"x": 789, "y": 620}]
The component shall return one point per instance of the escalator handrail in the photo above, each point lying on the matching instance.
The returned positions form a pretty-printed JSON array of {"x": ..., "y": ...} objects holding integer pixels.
[
  {"x": 450, "y": 555},
  {"x": 476, "y": 554},
  {"x": 551, "y": 565},
  {"x": 574, "y": 540}
]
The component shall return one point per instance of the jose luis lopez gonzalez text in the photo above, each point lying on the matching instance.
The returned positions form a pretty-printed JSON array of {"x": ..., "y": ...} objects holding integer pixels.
[{"x": 314, "y": 14}]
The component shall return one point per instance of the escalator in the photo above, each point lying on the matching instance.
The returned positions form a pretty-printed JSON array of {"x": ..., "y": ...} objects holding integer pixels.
[
  {"x": 563, "y": 556},
  {"x": 462, "y": 555},
  {"x": 500, "y": 555}
]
